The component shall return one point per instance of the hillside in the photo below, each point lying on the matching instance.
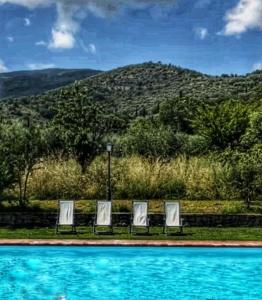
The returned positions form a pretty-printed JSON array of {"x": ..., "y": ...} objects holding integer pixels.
[
  {"x": 137, "y": 88},
  {"x": 25, "y": 83},
  {"x": 144, "y": 85}
]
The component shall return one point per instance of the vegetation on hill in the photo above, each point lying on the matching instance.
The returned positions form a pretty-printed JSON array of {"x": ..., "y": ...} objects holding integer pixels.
[
  {"x": 138, "y": 90},
  {"x": 28, "y": 83},
  {"x": 176, "y": 134}
]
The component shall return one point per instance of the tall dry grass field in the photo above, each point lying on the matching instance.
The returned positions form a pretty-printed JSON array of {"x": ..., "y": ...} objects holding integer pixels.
[{"x": 132, "y": 177}]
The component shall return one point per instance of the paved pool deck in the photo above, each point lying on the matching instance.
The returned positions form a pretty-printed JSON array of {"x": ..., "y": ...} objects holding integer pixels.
[{"x": 149, "y": 243}]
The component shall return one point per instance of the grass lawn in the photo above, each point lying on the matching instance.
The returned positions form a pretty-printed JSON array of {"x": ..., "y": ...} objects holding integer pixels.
[
  {"x": 194, "y": 233},
  {"x": 190, "y": 233},
  {"x": 155, "y": 206}
]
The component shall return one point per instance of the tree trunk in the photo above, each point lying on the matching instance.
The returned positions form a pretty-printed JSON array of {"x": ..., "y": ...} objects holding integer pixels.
[
  {"x": 25, "y": 185},
  {"x": 20, "y": 188},
  {"x": 248, "y": 200}
]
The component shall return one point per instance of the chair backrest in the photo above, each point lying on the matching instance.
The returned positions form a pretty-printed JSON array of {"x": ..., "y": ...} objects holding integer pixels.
[
  {"x": 104, "y": 213},
  {"x": 172, "y": 210},
  {"x": 66, "y": 212},
  {"x": 140, "y": 209}
]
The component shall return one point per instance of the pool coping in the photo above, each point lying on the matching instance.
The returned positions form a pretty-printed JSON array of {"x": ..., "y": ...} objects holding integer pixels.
[{"x": 149, "y": 243}]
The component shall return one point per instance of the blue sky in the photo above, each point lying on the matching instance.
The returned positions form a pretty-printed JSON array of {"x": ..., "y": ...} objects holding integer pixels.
[{"x": 211, "y": 36}]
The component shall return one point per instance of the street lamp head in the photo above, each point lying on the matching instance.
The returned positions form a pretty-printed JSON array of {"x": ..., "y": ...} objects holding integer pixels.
[{"x": 109, "y": 147}]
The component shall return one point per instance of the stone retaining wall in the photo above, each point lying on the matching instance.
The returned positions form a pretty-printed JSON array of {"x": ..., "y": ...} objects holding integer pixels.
[{"x": 21, "y": 219}]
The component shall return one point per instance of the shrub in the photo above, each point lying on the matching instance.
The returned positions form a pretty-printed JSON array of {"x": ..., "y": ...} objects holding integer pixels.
[
  {"x": 191, "y": 145},
  {"x": 254, "y": 131},
  {"x": 148, "y": 138},
  {"x": 22, "y": 147},
  {"x": 223, "y": 124},
  {"x": 245, "y": 174}
]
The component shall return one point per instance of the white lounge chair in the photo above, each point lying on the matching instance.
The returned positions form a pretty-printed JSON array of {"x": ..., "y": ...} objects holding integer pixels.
[
  {"x": 140, "y": 216},
  {"x": 173, "y": 216},
  {"x": 103, "y": 216},
  {"x": 65, "y": 215}
]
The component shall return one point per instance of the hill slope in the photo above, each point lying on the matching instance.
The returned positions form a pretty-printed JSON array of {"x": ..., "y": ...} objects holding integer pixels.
[
  {"x": 141, "y": 87},
  {"x": 25, "y": 83}
]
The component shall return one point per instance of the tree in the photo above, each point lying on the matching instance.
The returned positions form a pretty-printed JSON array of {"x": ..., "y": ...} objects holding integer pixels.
[
  {"x": 253, "y": 134},
  {"x": 223, "y": 124},
  {"x": 82, "y": 124},
  {"x": 245, "y": 173},
  {"x": 177, "y": 113},
  {"x": 148, "y": 138},
  {"x": 23, "y": 147},
  {"x": 191, "y": 145},
  {"x": 7, "y": 177}
]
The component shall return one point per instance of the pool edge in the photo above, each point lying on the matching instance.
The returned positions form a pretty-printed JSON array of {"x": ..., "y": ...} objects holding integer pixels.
[{"x": 142, "y": 243}]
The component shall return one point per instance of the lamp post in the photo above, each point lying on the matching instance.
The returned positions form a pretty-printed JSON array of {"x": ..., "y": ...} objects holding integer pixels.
[{"x": 109, "y": 191}]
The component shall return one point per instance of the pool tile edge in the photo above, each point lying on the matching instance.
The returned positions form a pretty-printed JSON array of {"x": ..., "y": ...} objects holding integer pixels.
[{"x": 151, "y": 243}]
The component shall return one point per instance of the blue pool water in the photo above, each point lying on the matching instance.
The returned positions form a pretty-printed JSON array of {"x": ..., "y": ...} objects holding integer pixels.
[{"x": 75, "y": 273}]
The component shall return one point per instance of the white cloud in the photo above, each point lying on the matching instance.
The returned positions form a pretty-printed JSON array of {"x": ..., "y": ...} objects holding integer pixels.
[
  {"x": 39, "y": 66},
  {"x": 91, "y": 48},
  {"x": 201, "y": 32},
  {"x": 246, "y": 15},
  {"x": 257, "y": 66},
  {"x": 62, "y": 40},
  {"x": 72, "y": 12},
  {"x": 3, "y": 68},
  {"x": 27, "y": 22},
  {"x": 31, "y": 4},
  {"x": 10, "y": 39},
  {"x": 41, "y": 43}
]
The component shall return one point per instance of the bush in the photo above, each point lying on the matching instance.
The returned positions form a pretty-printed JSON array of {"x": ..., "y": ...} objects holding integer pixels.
[
  {"x": 21, "y": 147},
  {"x": 192, "y": 145},
  {"x": 254, "y": 132},
  {"x": 223, "y": 124},
  {"x": 7, "y": 178},
  {"x": 245, "y": 174},
  {"x": 176, "y": 113},
  {"x": 148, "y": 138}
]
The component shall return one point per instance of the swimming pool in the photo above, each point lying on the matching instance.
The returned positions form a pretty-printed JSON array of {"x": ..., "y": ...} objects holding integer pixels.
[{"x": 75, "y": 273}]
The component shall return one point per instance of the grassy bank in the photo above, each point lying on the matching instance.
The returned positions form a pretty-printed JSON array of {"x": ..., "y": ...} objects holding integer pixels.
[{"x": 241, "y": 234}]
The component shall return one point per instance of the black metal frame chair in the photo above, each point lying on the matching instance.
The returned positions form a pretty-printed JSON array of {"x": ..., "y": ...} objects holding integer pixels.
[
  {"x": 95, "y": 225},
  {"x": 132, "y": 225},
  {"x": 58, "y": 219},
  {"x": 180, "y": 226}
]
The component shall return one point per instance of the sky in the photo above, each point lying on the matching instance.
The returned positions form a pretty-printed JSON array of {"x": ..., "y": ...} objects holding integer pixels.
[{"x": 210, "y": 36}]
